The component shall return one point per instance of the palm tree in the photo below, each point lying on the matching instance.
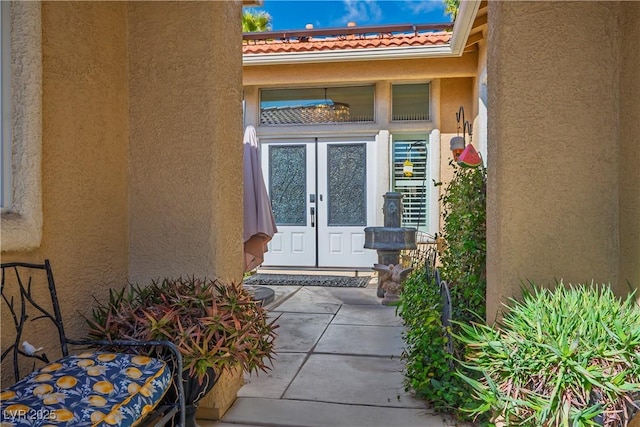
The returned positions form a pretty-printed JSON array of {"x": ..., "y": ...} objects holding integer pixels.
[
  {"x": 254, "y": 21},
  {"x": 451, "y": 8}
]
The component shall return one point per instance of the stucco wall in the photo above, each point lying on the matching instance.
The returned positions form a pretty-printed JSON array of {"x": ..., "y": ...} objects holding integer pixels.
[
  {"x": 349, "y": 72},
  {"x": 553, "y": 205},
  {"x": 186, "y": 139},
  {"x": 84, "y": 149},
  {"x": 630, "y": 144}
]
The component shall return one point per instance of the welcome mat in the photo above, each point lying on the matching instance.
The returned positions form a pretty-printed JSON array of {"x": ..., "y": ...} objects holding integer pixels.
[{"x": 307, "y": 280}]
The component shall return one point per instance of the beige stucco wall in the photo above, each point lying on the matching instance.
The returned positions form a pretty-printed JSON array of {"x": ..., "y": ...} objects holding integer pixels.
[
  {"x": 186, "y": 139},
  {"x": 553, "y": 209},
  {"x": 84, "y": 150},
  {"x": 629, "y": 196},
  {"x": 141, "y": 148},
  {"x": 359, "y": 71}
]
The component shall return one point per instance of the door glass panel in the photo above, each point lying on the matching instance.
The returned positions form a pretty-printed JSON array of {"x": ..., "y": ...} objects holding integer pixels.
[
  {"x": 347, "y": 184},
  {"x": 287, "y": 183}
]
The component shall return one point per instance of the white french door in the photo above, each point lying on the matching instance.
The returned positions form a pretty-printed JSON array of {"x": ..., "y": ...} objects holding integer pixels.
[
  {"x": 322, "y": 195},
  {"x": 290, "y": 174}
]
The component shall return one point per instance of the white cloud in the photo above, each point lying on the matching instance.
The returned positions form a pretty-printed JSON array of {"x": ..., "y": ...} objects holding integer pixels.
[
  {"x": 362, "y": 12},
  {"x": 422, "y": 6}
]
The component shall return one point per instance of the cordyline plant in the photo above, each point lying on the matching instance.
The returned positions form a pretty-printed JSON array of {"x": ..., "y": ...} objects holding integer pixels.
[
  {"x": 563, "y": 357},
  {"x": 214, "y": 324}
]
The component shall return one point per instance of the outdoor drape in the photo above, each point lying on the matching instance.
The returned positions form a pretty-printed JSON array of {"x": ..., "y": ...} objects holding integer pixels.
[{"x": 259, "y": 224}]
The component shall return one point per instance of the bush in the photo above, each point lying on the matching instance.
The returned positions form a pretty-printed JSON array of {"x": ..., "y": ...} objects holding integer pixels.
[
  {"x": 463, "y": 262},
  {"x": 430, "y": 367},
  {"x": 215, "y": 325},
  {"x": 569, "y": 356},
  {"x": 428, "y": 372}
]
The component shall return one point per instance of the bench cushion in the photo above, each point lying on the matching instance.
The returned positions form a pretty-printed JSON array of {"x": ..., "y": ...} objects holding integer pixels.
[{"x": 89, "y": 389}]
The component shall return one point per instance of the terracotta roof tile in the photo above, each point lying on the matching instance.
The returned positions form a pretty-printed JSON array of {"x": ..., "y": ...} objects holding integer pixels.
[{"x": 345, "y": 43}]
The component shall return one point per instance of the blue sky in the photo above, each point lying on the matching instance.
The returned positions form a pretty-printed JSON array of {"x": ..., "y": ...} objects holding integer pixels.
[{"x": 294, "y": 15}]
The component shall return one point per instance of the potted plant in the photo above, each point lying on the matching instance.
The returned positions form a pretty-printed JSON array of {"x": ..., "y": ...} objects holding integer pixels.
[{"x": 216, "y": 325}]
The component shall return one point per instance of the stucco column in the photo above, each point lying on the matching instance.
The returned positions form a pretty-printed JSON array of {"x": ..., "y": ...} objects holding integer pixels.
[
  {"x": 630, "y": 145},
  {"x": 185, "y": 139},
  {"x": 553, "y": 142}
]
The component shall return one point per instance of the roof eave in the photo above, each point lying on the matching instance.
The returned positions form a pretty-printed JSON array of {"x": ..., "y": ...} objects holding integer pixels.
[
  {"x": 373, "y": 54},
  {"x": 461, "y": 29}
]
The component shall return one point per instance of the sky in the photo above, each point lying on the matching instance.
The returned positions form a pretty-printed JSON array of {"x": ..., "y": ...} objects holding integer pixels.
[{"x": 294, "y": 15}]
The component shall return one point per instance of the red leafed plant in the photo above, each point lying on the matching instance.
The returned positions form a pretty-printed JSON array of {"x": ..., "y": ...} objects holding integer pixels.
[{"x": 214, "y": 324}]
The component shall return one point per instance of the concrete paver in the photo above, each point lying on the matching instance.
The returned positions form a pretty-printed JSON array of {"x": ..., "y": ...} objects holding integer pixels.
[
  {"x": 338, "y": 364},
  {"x": 308, "y": 300},
  {"x": 362, "y": 340},
  {"x": 368, "y": 315},
  {"x": 281, "y": 412},
  {"x": 275, "y": 383},
  {"x": 299, "y": 332},
  {"x": 374, "y": 381}
]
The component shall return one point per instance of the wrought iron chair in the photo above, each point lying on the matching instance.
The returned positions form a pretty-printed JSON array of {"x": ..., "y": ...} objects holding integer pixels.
[{"x": 82, "y": 389}]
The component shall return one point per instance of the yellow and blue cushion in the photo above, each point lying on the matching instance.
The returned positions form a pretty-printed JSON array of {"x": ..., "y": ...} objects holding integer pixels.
[{"x": 89, "y": 389}]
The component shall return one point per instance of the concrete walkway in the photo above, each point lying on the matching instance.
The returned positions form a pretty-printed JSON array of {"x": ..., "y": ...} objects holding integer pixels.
[{"x": 338, "y": 364}]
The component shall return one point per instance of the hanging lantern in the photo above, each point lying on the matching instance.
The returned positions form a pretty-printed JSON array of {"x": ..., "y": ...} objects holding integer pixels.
[
  {"x": 457, "y": 145},
  {"x": 407, "y": 168}
]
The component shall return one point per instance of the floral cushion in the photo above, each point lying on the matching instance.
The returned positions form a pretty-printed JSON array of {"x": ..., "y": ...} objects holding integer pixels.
[{"x": 90, "y": 389}]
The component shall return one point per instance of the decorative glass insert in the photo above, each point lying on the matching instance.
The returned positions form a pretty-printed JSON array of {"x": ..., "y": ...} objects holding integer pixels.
[
  {"x": 410, "y": 102},
  {"x": 316, "y": 105},
  {"x": 412, "y": 181},
  {"x": 347, "y": 184},
  {"x": 287, "y": 183}
]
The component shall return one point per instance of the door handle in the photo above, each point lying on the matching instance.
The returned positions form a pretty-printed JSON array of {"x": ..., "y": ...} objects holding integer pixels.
[{"x": 312, "y": 210}]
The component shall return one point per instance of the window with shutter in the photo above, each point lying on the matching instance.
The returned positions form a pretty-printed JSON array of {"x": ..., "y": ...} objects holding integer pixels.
[{"x": 410, "y": 174}]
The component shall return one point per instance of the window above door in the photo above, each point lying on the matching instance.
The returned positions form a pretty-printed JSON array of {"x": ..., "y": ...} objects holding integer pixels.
[
  {"x": 410, "y": 102},
  {"x": 317, "y": 105}
]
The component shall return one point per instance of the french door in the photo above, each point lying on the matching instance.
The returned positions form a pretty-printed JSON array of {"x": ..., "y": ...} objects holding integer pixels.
[{"x": 322, "y": 195}]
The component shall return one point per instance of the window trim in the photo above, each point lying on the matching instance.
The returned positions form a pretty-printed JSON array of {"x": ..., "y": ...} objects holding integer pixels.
[
  {"x": 22, "y": 223},
  {"x": 5, "y": 107}
]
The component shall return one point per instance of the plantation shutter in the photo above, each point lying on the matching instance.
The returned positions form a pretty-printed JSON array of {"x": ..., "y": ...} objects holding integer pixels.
[{"x": 412, "y": 187}]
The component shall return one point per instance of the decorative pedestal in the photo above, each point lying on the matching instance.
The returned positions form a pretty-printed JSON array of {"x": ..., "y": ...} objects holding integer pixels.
[
  {"x": 392, "y": 238},
  {"x": 218, "y": 401}
]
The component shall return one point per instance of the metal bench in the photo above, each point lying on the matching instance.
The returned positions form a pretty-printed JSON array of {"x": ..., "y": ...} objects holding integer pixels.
[{"x": 94, "y": 386}]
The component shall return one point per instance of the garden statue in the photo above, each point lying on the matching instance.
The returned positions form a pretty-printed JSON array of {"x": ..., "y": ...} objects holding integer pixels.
[{"x": 390, "y": 278}]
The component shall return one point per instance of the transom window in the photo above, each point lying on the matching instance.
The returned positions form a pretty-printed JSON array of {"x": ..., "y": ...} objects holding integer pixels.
[
  {"x": 317, "y": 105},
  {"x": 410, "y": 102}
]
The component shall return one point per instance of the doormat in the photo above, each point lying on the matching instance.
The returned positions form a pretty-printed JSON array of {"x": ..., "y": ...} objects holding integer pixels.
[{"x": 307, "y": 280}]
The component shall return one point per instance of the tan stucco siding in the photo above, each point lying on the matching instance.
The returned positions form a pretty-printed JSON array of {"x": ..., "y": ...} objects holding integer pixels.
[
  {"x": 84, "y": 149},
  {"x": 553, "y": 208},
  {"x": 186, "y": 139},
  {"x": 630, "y": 144},
  {"x": 455, "y": 93},
  {"x": 350, "y": 72}
]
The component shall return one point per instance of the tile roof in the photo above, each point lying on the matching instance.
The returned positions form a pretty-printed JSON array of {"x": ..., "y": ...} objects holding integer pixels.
[{"x": 311, "y": 44}]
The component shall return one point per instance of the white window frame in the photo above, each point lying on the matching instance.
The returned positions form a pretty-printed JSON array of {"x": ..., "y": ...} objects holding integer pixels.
[
  {"x": 420, "y": 148},
  {"x": 5, "y": 106},
  {"x": 21, "y": 227}
]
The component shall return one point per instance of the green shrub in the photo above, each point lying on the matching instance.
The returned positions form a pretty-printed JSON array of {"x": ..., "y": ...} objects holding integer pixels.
[
  {"x": 463, "y": 262},
  {"x": 569, "y": 356},
  {"x": 430, "y": 367}
]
